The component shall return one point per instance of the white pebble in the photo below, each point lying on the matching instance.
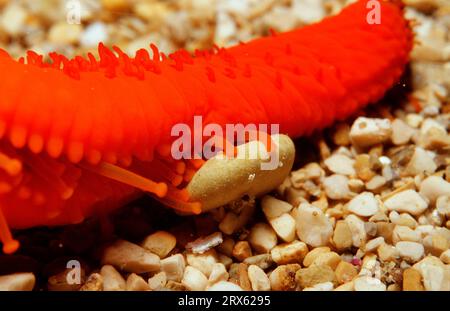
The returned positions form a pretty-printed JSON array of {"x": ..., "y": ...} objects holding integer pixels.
[
  {"x": 366, "y": 131},
  {"x": 340, "y": 164},
  {"x": 410, "y": 251},
  {"x": 258, "y": 278},
  {"x": 421, "y": 162},
  {"x": 433, "y": 187},
  {"x": 367, "y": 283},
  {"x": 401, "y": 132},
  {"x": 284, "y": 226},
  {"x": 313, "y": 226},
  {"x": 336, "y": 187},
  {"x": 262, "y": 238},
  {"x": 357, "y": 228},
  {"x": 194, "y": 280},
  {"x": 93, "y": 34},
  {"x": 225, "y": 287},
  {"x": 408, "y": 201},
  {"x": 364, "y": 205}
]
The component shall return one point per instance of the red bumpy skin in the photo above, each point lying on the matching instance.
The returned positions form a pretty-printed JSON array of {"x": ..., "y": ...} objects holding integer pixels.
[{"x": 80, "y": 137}]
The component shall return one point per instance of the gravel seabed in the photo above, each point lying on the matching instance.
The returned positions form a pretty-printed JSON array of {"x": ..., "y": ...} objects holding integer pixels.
[{"x": 366, "y": 207}]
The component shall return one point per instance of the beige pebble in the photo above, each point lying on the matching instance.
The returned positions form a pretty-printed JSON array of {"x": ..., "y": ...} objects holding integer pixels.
[
  {"x": 218, "y": 273},
  {"x": 414, "y": 120},
  {"x": 112, "y": 279},
  {"x": 439, "y": 244},
  {"x": 342, "y": 236},
  {"x": 60, "y": 281},
  {"x": 412, "y": 280},
  {"x": 313, "y": 226},
  {"x": 408, "y": 201},
  {"x": 445, "y": 257},
  {"x": 308, "y": 277},
  {"x": 421, "y": 162},
  {"x": 434, "y": 274},
  {"x": 385, "y": 229},
  {"x": 336, "y": 187},
  {"x": 17, "y": 282},
  {"x": 273, "y": 207},
  {"x": 283, "y": 277},
  {"x": 373, "y": 244},
  {"x": 258, "y": 278},
  {"x": 173, "y": 267},
  {"x": 340, "y": 164},
  {"x": 363, "y": 167},
  {"x": 225, "y": 260},
  {"x": 65, "y": 33},
  {"x": 93, "y": 283},
  {"x": 367, "y": 132},
  {"x": 401, "y": 132},
  {"x": 357, "y": 228},
  {"x": 264, "y": 261},
  {"x": 347, "y": 287},
  {"x": 367, "y": 283},
  {"x": 158, "y": 281},
  {"x": 321, "y": 287},
  {"x": 226, "y": 247},
  {"x": 262, "y": 238},
  {"x": 193, "y": 279},
  {"x": 203, "y": 262},
  {"x": 130, "y": 257},
  {"x": 242, "y": 250},
  {"x": 243, "y": 278},
  {"x": 341, "y": 134},
  {"x": 345, "y": 272},
  {"x": 387, "y": 252},
  {"x": 312, "y": 255},
  {"x": 136, "y": 283},
  {"x": 356, "y": 185},
  {"x": 13, "y": 19},
  {"x": 375, "y": 183},
  {"x": 176, "y": 286},
  {"x": 443, "y": 205},
  {"x": 410, "y": 251},
  {"x": 160, "y": 243},
  {"x": 225, "y": 287},
  {"x": 403, "y": 233},
  {"x": 284, "y": 226},
  {"x": 364, "y": 205},
  {"x": 287, "y": 253},
  {"x": 330, "y": 259},
  {"x": 433, "y": 187}
]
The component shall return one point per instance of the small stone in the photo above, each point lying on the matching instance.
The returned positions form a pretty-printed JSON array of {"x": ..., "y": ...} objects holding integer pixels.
[
  {"x": 273, "y": 207},
  {"x": 258, "y": 278},
  {"x": 385, "y": 229},
  {"x": 363, "y": 167},
  {"x": 203, "y": 262},
  {"x": 130, "y": 257},
  {"x": 242, "y": 250},
  {"x": 439, "y": 244},
  {"x": 445, "y": 257},
  {"x": 375, "y": 183},
  {"x": 364, "y": 205},
  {"x": 421, "y": 162},
  {"x": 136, "y": 283},
  {"x": 17, "y": 282},
  {"x": 284, "y": 226},
  {"x": 347, "y": 287},
  {"x": 176, "y": 286},
  {"x": 160, "y": 243},
  {"x": 313, "y": 254},
  {"x": 414, "y": 120},
  {"x": 373, "y": 244},
  {"x": 194, "y": 280},
  {"x": 356, "y": 185},
  {"x": 315, "y": 274},
  {"x": 262, "y": 238},
  {"x": 367, "y": 283},
  {"x": 225, "y": 287},
  {"x": 412, "y": 280},
  {"x": 336, "y": 187},
  {"x": 358, "y": 230},
  {"x": 94, "y": 283},
  {"x": 434, "y": 274},
  {"x": 173, "y": 267},
  {"x": 158, "y": 281},
  {"x": 244, "y": 281},
  {"x": 345, "y": 272},
  {"x": 112, "y": 280},
  {"x": 330, "y": 259},
  {"x": 387, "y": 252},
  {"x": 342, "y": 237},
  {"x": 403, "y": 233},
  {"x": 218, "y": 273},
  {"x": 367, "y": 132},
  {"x": 433, "y": 187},
  {"x": 226, "y": 247},
  {"x": 264, "y": 261},
  {"x": 313, "y": 226},
  {"x": 341, "y": 135},
  {"x": 410, "y": 251},
  {"x": 13, "y": 19},
  {"x": 204, "y": 244},
  {"x": 287, "y": 253},
  {"x": 340, "y": 164},
  {"x": 94, "y": 34},
  {"x": 283, "y": 277},
  {"x": 321, "y": 287},
  {"x": 408, "y": 201},
  {"x": 443, "y": 205},
  {"x": 64, "y": 33},
  {"x": 401, "y": 132}
]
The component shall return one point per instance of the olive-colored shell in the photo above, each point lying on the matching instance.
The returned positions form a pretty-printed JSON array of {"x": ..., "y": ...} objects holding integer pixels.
[{"x": 222, "y": 180}]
